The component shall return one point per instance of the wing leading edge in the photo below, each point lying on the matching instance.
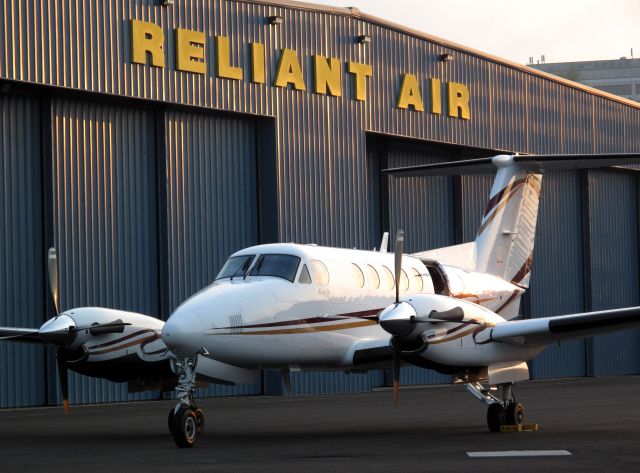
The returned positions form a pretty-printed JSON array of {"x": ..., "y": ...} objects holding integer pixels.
[{"x": 547, "y": 330}]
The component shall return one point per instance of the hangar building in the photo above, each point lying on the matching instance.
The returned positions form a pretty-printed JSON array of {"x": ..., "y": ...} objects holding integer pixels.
[{"x": 147, "y": 142}]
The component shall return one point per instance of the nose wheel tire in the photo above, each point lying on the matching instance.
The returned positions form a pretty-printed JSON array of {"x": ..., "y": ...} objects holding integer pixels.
[
  {"x": 186, "y": 425},
  {"x": 185, "y": 428}
]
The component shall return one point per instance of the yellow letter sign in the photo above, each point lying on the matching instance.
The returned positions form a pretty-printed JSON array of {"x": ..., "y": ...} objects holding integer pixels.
[
  {"x": 223, "y": 60},
  {"x": 190, "y": 51},
  {"x": 410, "y": 93},
  {"x": 327, "y": 75},
  {"x": 458, "y": 100},
  {"x": 289, "y": 71},
  {"x": 361, "y": 72},
  {"x": 147, "y": 38}
]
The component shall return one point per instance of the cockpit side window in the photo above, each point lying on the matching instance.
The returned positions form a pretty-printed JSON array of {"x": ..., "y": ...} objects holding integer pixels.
[
  {"x": 305, "y": 277},
  {"x": 279, "y": 266},
  {"x": 236, "y": 266}
]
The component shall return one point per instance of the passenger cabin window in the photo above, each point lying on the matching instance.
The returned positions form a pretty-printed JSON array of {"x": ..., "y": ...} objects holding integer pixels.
[
  {"x": 319, "y": 272},
  {"x": 305, "y": 277},
  {"x": 373, "y": 278},
  {"x": 236, "y": 266},
  {"x": 416, "y": 280},
  {"x": 358, "y": 275},
  {"x": 387, "y": 278},
  {"x": 279, "y": 266}
]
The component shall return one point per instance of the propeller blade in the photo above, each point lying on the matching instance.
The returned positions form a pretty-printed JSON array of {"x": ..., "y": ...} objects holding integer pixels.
[
  {"x": 63, "y": 376},
  {"x": 396, "y": 370},
  {"x": 52, "y": 264},
  {"x": 398, "y": 261}
]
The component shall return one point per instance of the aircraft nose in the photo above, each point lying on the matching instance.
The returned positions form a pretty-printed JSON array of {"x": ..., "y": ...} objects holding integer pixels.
[{"x": 182, "y": 332}]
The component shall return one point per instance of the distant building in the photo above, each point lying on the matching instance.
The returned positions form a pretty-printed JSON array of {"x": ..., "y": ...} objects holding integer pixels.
[{"x": 617, "y": 76}]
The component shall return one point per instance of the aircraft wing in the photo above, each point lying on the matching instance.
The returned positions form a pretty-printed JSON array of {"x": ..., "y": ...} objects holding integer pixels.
[
  {"x": 547, "y": 330},
  {"x": 14, "y": 334}
]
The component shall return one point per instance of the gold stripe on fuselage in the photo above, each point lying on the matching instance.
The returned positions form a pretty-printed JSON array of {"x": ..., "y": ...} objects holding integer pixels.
[{"x": 309, "y": 329}]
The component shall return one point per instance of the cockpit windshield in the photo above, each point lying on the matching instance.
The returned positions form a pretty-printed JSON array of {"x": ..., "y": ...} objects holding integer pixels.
[
  {"x": 235, "y": 266},
  {"x": 280, "y": 266}
]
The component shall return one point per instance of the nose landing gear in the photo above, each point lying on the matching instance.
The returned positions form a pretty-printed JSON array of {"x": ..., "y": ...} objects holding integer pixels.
[{"x": 185, "y": 420}]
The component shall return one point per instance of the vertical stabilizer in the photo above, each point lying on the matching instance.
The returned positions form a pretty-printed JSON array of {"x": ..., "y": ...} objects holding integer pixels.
[{"x": 504, "y": 244}]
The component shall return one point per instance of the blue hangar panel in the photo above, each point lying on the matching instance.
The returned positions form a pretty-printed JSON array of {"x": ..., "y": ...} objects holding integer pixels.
[
  {"x": 211, "y": 202},
  {"x": 21, "y": 260},
  {"x": 557, "y": 262},
  {"x": 104, "y": 195},
  {"x": 613, "y": 204}
]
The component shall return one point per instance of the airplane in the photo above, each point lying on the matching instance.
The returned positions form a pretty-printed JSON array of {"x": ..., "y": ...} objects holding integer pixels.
[{"x": 291, "y": 307}]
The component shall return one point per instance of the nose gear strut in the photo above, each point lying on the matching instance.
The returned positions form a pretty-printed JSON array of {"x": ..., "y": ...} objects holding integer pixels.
[{"x": 186, "y": 421}]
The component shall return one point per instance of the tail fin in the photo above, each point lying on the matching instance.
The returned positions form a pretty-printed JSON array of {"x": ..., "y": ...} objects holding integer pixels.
[{"x": 504, "y": 243}]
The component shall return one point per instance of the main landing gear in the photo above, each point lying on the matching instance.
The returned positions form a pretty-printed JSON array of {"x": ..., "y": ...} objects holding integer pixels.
[
  {"x": 503, "y": 408},
  {"x": 185, "y": 420}
]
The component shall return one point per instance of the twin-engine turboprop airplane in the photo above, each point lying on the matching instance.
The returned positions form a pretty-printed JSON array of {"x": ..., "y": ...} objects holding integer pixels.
[
  {"x": 286, "y": 306},
  {"x": 305, "y": 307}
]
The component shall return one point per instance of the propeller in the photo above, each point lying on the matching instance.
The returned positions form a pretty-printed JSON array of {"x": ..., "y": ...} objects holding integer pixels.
[
  {"x": 395, "y": 342},
  {"x": 59, "y": 331},
  {"x": 52, "y": 264},
  {"x": 63, "y": 377}
]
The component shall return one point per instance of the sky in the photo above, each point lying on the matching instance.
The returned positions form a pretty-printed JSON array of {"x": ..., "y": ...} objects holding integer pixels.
[{"x": 561, "y": 30}]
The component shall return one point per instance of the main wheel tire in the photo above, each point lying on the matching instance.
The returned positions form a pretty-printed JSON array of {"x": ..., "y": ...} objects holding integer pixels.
[
  {"x": 515, "y": 414},
  {"x": 496, "y": 417},
  {"x": 200, "y": 420},
  {"x": 185, "y": 428}
]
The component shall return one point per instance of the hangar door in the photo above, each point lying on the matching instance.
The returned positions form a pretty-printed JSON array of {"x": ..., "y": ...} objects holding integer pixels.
[
  {"x": 104, "y": 217},
  {"x": 212, "y": 204},
  {"x": 613, "y": 208},
  {"x": 21, "y": 261}
]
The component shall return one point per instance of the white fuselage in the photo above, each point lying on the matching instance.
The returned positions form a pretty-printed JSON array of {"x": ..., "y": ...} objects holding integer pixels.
[{"x": 318, "y": 322}]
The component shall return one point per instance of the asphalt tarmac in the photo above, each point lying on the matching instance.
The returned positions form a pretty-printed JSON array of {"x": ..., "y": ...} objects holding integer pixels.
[{"x": 597, "y": 420}]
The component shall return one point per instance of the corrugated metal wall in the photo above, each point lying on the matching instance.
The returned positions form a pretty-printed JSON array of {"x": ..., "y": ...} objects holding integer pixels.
[
  {"x": 557, "y": 263},
  {"x": 104, "y": 204},
  {"x": 22, "y": 375},
  {"x": 326, "y": 382},
  {"x": 212, "y": 203},
  {"x": 614, "y": 265},
  {"x": 326, "y": 184},
  {"x": 423, "y": 207}
]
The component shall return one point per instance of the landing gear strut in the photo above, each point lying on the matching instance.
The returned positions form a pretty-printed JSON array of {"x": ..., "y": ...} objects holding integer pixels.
[
  {"x": 505, "y": 410},
  {"x": 185, "y": 420}
]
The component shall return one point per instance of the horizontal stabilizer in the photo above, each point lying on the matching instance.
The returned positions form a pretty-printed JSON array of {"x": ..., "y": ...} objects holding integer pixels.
[
  {"x": 534, "y": 163},
  {"x": 547, "y": 330}
]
